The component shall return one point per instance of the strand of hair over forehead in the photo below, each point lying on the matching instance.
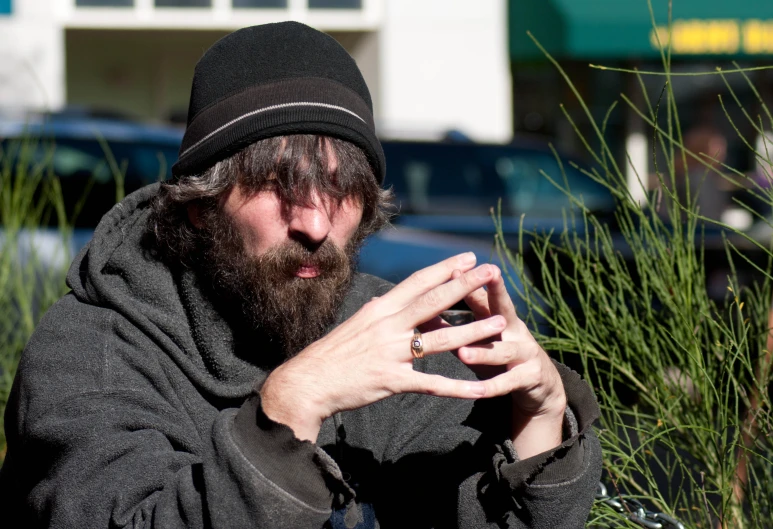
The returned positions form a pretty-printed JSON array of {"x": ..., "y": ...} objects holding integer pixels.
[
  {"x": 300, "y": 164},
  {"x": 260, "y": 158}
]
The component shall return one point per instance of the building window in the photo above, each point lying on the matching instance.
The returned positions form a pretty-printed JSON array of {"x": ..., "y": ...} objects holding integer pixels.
[
  {"x": 104, "y": 3},
  {"x": 270, "y": 4},
  {"x": 183, "y": 3},
  {"x": 335, "y": 4}
]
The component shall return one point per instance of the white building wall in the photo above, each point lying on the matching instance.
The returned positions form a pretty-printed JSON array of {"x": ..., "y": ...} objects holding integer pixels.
[
  {"x": 432, "y": 65},
  {"x": 32, "y": 57},
  {"x": 445, "y": 65}
]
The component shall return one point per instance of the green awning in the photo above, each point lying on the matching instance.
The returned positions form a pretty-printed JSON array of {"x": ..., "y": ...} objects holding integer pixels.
[{"x": 598, "y": 29}]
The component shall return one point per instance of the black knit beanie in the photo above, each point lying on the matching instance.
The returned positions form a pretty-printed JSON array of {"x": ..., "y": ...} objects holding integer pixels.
[{"x": 275, "y": 80}]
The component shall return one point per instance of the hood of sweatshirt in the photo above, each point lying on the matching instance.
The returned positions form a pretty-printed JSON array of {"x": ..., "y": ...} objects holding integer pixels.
[{"x": 118, "y": 270}]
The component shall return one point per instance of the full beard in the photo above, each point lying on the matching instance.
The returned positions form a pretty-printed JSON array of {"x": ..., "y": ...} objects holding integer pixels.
[{"x": 291, "y": 311}]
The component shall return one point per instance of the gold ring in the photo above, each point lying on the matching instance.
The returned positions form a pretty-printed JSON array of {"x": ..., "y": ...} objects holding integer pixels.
[{"x": 417, "y": 346}]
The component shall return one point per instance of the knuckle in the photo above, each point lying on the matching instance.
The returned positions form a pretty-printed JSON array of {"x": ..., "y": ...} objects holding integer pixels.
[
  {"x": 493, "y": 386},
  {"x": 508, "y": 353},
  {"x": 386, "y": 382},
  {"x": 371, "y": 307},
  {"x": 431, "y": 299},
  {"x": 419, "y": 277},
  {"x": 441, "y": 338},
  {"x": 433, "y": 385},
  {"x": 533, "y": 373},
  {"x": 466, "y": 281}
]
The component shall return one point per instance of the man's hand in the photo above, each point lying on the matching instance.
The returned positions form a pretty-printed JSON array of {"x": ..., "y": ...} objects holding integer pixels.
[
  {"x": 368, "y": 357},
  {"x": 525, "y": 371}
]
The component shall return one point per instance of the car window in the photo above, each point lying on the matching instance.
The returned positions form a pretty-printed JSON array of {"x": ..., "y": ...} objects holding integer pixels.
[
  {"x": 84, "y": 170},
  {"x": 433, "y": 179},
  {"x": 528, "y": 190},
  {"x": 442, "y": 179}
]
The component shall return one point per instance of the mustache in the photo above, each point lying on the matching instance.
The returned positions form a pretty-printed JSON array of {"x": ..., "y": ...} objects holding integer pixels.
[{"x": 284, "y": 260}]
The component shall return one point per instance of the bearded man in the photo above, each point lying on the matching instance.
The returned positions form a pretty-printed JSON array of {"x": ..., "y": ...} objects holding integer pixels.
[{"x": 219, "y": 362}]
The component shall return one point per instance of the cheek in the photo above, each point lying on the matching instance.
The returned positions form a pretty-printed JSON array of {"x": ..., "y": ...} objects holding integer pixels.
[
  {"x": 350, "y": 217},
  {"x": 260, "y": 224}
]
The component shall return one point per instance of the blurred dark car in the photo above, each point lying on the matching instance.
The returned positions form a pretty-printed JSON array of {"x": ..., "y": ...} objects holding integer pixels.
[
  {"x": 451, "y": 187},
  {"x": 87, "y": 151}
]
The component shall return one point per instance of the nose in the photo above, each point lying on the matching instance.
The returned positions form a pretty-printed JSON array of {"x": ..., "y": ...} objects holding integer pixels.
[{"x": 311, "y": 223}]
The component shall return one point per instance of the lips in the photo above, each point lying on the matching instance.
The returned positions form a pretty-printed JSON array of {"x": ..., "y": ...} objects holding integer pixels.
[{"x": 307, "y": 271}]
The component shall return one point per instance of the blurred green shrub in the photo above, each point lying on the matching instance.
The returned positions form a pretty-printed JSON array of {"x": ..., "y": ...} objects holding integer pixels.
[
  {"x": 33, "y": 263},
  {"x": 696, "y": 440}
]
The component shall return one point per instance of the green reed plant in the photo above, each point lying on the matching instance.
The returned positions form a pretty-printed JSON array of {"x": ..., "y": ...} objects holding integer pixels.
[
  {"x": 696, "y": 442},
  {"x": 36, "y": 231},
  {"x": 31, "y": 273}
]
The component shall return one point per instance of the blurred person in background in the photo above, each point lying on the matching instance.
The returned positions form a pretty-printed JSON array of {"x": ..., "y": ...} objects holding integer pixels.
[
  {"x": 220, "y": 363},
  {"x": 700, "y": 179},
  {"x": 704, "y": 179}
]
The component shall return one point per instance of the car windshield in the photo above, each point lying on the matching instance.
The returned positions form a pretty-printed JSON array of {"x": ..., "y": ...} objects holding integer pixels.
[
  {"x": 447, "y": 179},
  {"x": 87, "y": 168}
]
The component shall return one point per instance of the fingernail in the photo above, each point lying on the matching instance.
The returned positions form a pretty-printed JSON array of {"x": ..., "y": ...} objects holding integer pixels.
[
  {"x": 467, "y": 354},
  {"x": 483, "y": 272},
  {"x": 467, "y": 258},
  {"x": 477, "y": 389}
]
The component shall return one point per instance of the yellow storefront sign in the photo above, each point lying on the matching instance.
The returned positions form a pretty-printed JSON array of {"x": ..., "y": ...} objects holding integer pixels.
[{"x": 716, "y": 37}]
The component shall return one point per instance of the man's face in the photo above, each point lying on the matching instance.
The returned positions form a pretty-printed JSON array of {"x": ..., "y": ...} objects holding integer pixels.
[
  {"x": 265, "y": 222},
  {"x": 289, "y": 265}
]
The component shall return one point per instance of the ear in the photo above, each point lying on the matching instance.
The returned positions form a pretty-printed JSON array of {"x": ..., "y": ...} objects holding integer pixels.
[{"x": 194, "y": 214}]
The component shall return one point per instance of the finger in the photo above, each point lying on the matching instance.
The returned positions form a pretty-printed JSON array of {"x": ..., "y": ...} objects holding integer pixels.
[
  {"x": 526, "y": 377},
  {"x": 451, "y": 338},
  {"x": 434, "y": 324},
  {"x": 499, "y": 301},
  {"x": 426, "y": 279},
  {"x": 441, "y": 386},
  {"x": 492, "y": 354},
  {"x": 477, "y": 301},
  {"x": 444, "y": 296}
]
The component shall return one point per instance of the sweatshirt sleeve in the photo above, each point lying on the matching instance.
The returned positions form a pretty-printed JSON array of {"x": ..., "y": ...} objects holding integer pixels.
[
  {"x": 458, "y": 458},
  {"x": 93, "y": 443}
]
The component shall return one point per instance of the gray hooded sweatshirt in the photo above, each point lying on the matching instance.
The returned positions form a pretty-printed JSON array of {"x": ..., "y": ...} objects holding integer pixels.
[{"x": 135, "y": 405}]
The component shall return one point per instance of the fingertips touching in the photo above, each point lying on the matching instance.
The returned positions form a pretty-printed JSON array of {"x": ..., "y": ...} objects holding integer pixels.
[
  {"x": 444, "y": 296},
  {"x": 426, "y": 279}
]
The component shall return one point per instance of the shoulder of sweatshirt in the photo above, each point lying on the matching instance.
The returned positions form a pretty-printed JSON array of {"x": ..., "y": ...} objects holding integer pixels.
[{"x": 78, "y": 348}]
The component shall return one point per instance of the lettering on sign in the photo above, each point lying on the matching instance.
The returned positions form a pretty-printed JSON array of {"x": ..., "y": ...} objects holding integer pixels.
[{"x": 716, "y": 37}]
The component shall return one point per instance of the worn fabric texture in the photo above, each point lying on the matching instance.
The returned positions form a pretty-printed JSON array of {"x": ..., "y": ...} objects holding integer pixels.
[
  {"x": 135, "y": 406},
  {"x": 275, "y": 80}
]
